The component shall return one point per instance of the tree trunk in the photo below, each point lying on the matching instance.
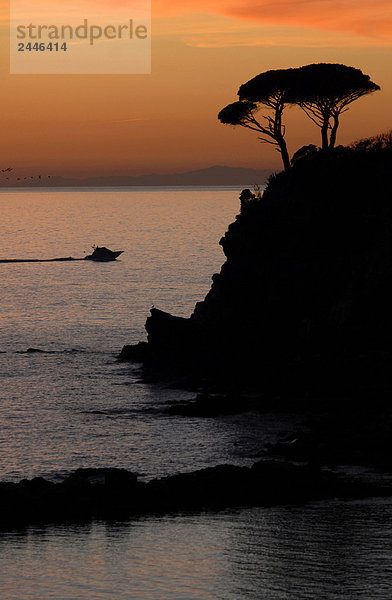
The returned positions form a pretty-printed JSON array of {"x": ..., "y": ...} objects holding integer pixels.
[
  {"x": 332, "y": 139},
  {"x": 324, "y": 135},
  {"x": 279, "y": 136},
  {"x": 284, "y": 153}
]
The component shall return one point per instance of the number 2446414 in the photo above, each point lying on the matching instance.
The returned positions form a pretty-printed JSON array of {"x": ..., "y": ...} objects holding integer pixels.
[{"x": 41, "y": 47}]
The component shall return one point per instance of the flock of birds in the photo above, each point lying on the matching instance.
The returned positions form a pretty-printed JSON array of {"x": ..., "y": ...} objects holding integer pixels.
[{"x": 9, "y": 169}]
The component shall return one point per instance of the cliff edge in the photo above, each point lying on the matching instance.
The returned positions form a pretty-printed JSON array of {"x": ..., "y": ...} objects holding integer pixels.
[{"x": 303, "y": 301}]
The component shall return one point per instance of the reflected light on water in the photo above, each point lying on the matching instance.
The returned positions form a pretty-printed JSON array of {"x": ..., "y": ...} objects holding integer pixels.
[{"x": 329, "y": 550}]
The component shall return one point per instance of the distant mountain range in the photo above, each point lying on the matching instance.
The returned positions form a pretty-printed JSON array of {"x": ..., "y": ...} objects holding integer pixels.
[{"x": 216, "y": 175}]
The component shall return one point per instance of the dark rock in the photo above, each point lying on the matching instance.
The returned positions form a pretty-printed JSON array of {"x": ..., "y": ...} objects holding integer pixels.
[
  {"x": 215, "y": 487},
  {"x": 208, "y": 405},
  {"x": 354, "y": 432},
  {"x": 139, "y": 352},
  {"x": 108, "y": 476},
  {"x": 300, "y": 311},
  {"x": 116, "y": 494},
  {"x": 169, "y": 336},
  {"x": 36, "y": 484},
  {"x": 302, "y": 303}
]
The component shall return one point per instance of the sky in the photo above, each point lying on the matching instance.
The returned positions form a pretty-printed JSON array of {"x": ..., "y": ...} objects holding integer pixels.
[{"x": 202, "y": 51}]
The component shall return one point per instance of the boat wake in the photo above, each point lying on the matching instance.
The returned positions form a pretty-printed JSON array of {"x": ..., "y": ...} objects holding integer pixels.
[
  {"x": 36, "y": 260},
  {"x": 100, "y": 254}
]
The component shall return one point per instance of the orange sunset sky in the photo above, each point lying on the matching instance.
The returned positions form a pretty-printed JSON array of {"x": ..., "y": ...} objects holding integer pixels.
[{"x": 86, "y": 125}]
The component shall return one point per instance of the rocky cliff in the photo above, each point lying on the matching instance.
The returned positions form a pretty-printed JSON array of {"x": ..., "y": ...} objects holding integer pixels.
[{"x": 304, "y": 298}]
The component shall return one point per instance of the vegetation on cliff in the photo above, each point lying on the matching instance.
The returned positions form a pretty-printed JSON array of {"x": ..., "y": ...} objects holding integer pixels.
[{"x": 324, "y": 91}]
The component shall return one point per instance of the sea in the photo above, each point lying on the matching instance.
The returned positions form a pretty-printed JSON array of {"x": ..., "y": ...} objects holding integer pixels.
[{"x": 70, "y": 403}]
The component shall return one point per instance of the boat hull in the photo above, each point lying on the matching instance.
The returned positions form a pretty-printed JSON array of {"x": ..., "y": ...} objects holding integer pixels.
[{"x": 106, "y": 256}]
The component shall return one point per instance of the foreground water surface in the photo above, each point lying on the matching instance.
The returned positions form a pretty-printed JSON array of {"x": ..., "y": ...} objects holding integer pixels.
[
  {"x": 73, "y": 404},
  {"x": 328, "y": 550}
]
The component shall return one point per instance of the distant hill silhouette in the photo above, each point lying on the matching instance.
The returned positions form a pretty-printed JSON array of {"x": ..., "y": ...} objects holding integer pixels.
[{"x": 217, "y": 175}]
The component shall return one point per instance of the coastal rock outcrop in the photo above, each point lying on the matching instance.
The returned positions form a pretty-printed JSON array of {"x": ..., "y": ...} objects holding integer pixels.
[
  {"x": 303, "y": 301},
  {"x": 116, "y": 493}
]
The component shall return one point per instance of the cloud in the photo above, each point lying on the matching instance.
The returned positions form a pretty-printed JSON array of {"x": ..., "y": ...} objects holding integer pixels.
[
  {"x": 362, "y": 17},
  {"x": 365, "y": 18},
  {"x": 316, "y": 19},
  {"x": 276, "y": 36}
]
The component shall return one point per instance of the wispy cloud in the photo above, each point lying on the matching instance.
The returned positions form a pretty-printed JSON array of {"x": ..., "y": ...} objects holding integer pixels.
[
  {"x": 364, "y": 22},
  {"x": 368, "y": 19},
  {"x": 275, "y": 36}
]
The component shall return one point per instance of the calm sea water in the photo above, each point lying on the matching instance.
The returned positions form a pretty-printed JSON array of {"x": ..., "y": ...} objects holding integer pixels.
[{"x": 73, "y": 405}]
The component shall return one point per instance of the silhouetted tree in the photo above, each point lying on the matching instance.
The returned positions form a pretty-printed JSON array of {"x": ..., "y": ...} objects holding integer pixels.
[
  {"x": 268, "y": 90},
  {"x": 324, "y": 91}
]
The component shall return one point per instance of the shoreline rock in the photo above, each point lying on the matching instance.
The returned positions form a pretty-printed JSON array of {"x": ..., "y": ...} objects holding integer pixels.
[
  {"x": 117, "y": 494},
  {"x": 216, "y": 405},
  {"x": 301, "y": 309}
]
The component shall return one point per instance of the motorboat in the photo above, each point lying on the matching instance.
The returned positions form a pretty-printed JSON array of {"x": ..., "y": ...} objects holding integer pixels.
[{"x": 102, "y": 254}]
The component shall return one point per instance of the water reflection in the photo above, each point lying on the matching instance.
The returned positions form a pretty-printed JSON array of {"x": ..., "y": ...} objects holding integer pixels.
[{"x": 329, "y": 550}]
